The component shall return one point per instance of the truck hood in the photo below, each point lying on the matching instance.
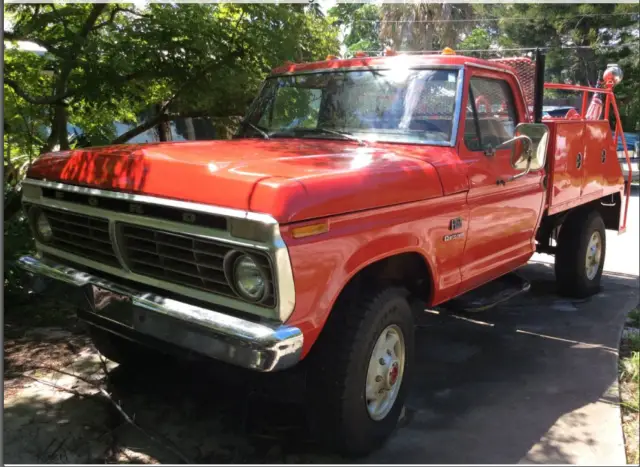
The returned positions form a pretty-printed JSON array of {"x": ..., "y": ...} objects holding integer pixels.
[{"x": 291, "y": 179}]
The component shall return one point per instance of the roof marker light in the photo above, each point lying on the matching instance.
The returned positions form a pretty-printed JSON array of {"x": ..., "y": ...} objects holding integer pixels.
[
  {"x": 388, "y": 51},
  {"x": 360, "y": 53},
  {"x": 448, "y": 51}
]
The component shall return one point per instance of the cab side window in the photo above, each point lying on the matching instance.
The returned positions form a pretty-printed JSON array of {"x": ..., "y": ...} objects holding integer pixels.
[{"x": 490, "y": 116}]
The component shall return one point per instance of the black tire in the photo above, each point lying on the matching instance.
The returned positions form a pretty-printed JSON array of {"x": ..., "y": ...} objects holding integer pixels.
[
  {"x": 337, "y": 371},
  {"x": 571, "y": 254},
  {"x": 119, "y": 349}
]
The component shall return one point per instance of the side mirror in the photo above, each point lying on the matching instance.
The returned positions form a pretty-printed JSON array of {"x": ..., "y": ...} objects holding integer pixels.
[
  {"x": 536, "y": 157},
  {"x": 528, "y": 147}
]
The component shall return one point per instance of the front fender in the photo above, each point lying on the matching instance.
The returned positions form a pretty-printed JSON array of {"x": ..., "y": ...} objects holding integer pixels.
[{"x": 324, "y": 264}]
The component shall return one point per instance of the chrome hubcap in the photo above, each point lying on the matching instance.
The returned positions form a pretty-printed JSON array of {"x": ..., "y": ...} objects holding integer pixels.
[
  {"x": 385, "y": 372},
  {"x": 594, "y": 254}
]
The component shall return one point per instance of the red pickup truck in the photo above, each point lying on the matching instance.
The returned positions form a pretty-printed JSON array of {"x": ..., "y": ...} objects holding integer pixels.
[{"x": 356, "y": 193}]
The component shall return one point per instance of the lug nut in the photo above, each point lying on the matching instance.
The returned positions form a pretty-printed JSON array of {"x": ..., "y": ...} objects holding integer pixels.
[
  {"x": 382, "y": 361},
  {"x": 378, "y": 378}
]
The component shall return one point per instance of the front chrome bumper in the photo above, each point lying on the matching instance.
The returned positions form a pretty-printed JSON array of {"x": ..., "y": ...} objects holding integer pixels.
[{"x": 252, "y": 345}]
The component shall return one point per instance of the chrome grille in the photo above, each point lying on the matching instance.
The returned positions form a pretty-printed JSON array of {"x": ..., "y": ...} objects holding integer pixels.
[
  {"x": 183, "y": 259},
  {"x": 81, "y": 235}
]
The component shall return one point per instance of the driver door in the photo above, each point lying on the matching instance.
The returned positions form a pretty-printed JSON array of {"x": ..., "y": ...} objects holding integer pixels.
[{"x": 503, "y": 214}]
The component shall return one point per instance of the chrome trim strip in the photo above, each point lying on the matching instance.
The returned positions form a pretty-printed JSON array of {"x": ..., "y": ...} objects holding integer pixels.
[
  {"x": 173, "y": 203},
  {"x": 153, "y": 222},
  {"x": 115, "y": 244},
  {"x": 457, "y": 111},
  {"x": 197, "y": 294},
  {"x": 271, "y": 347},
  {"x": 274, "y": 246}
]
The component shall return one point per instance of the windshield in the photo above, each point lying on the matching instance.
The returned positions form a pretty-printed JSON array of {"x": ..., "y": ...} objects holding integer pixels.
[{"x": 413, "y": 106}]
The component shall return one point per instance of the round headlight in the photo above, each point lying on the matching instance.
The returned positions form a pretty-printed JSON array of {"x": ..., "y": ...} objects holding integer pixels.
[
  {"x": 248, "y": 278},
  {"x": 42, "y": 226}
]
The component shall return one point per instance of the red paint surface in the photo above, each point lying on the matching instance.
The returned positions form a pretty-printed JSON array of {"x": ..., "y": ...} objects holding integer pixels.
[
  {"x": 570, "y": 185},
  {"x": 391, "y": 62},
  {"x": 292, "y": 179}
]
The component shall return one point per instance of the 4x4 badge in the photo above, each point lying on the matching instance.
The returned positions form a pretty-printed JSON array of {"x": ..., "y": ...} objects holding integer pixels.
[{"x": 455, "y": 224}]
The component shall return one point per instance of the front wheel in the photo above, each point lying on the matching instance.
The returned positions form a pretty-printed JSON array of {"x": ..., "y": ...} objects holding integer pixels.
[
  {"x": 360, "y": 370},
  {"x": 580, "y": 254}
]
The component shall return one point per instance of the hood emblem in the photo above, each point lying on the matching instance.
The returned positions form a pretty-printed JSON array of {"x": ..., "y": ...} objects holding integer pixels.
[
  {"x": 136, "y": 208},
  {"x": 188, "y": 217}
]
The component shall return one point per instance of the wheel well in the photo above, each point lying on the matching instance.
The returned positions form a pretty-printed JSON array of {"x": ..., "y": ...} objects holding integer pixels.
[
  {"x": 608, "y": 207},
  {"x": 408, "y": 270}
]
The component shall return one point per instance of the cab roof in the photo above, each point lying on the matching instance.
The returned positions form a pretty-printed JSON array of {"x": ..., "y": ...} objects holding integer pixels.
[{"x": 389, "y": 61}]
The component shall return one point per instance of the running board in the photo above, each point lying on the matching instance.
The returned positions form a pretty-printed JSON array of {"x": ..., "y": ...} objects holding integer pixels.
[{"x": 489, "y": 295}]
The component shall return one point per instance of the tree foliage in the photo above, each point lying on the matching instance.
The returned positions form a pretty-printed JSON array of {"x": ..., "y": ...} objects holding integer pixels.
[
  {"x": 107, "y": 63},
  {"x": 361, "y": 23},
  {"x": 423, "y": 26},
  {"x": 112, "y": 62},
  {"x": 578, "y": 39}
]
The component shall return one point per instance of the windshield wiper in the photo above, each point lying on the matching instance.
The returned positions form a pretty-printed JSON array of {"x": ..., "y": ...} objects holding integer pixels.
[
  {"x": 341, "y": 133},
  {"x": 264, "y": 134}
]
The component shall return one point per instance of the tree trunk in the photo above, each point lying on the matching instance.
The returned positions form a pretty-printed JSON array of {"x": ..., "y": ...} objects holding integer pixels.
[
  {"x": 190, "y": 130},
  {"x": 164, "y": 128},
  {"x": 61, "y": 124}
]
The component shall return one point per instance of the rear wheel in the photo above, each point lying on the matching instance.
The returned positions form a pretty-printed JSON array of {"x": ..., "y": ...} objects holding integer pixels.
[
  {"x": 580, "y": 254},
  {"x": 359, "y": 371}
]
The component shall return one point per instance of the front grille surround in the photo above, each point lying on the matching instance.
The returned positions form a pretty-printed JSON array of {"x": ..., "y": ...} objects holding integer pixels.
[
  {"x": 76, "y": 233},
  {"x": 184, "y": 259},
  {"x": 187, "y": 260}
]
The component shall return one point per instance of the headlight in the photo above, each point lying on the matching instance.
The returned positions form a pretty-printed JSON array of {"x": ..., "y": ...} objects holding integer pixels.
[
  {"x": 248, "y": 278},
  {"x": 41, "y": 225}
]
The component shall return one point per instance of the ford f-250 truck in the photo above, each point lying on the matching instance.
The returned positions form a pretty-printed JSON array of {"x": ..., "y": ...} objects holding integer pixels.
[{"x": 356, "y": 193}]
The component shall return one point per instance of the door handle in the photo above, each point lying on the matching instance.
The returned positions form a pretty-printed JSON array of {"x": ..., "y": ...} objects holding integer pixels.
[{"x": 579, "y": 160}]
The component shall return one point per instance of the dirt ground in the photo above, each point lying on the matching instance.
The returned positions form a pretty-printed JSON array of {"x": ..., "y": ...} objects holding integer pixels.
[{"x": 181, "y": 414}]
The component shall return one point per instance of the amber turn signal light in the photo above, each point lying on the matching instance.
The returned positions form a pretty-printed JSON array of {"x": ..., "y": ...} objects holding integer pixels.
[{"x": 309, "y": 230}]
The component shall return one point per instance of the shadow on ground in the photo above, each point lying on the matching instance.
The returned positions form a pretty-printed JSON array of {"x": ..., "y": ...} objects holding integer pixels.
[{"x": 526, "y": 382}]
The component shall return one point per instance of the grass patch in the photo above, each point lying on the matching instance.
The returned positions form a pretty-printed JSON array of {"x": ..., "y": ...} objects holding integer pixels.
[
  {"x": 630, "y": 386},
  {"x": 633, "y": 320}
]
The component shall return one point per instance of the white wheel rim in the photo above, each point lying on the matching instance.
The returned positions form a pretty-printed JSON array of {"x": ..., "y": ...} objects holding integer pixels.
[
  {"x": 385, "y": 372},
  {"x": 594, "y": 254}
]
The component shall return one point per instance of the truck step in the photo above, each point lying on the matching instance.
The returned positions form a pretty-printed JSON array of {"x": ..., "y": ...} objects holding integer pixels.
[{"x": 489, "y": 295}]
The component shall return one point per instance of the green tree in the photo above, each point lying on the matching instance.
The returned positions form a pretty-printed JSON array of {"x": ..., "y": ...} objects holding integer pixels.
[
  {"x": 581, "y": 39},
  {"x": 360, "y": 23},
  {"x": 111, "y": 62},
  {"x": 424, "y": 26},
  {"x": 479, "y": 40},
  {"x": 107, "y": 63}
]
